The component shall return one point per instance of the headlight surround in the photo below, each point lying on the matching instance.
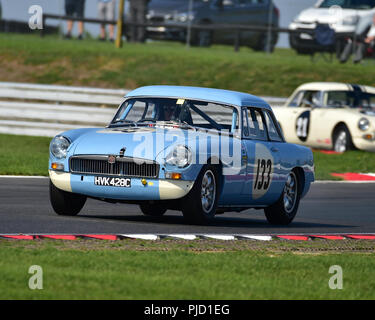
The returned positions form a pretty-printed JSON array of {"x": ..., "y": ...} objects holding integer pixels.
[
  {"x": 350, "y": 21},
  {"x": 363, "y": 124},
  {"x": 59, "y": 147},
  {"x": 296, "y": 19},
  {"x": 184, "y": 17},
  {"x": 180, "y": 156}
]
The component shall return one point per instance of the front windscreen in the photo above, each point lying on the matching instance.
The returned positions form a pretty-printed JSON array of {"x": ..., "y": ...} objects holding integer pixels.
[
  {"x": 162, "y": 111},
  {"x": 352, "y": 99},
  {"x": 349, "y": 4}
]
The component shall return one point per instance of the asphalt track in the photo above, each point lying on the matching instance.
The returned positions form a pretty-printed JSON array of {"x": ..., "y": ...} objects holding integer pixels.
[{"x": 328, "y": 208}]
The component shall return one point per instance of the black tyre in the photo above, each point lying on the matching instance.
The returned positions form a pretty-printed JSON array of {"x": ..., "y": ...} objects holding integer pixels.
[
  {"x": 65, "y": 203},
  {"x": 342, "y": 139},
  {"x": 262, "y": 44},
  {"x": 155, "y": 210},
  {"x": 285, "y": 209},
  {"x": 199, "y": 206},
  {"x": 202, "y": 38},
  {"x": 304, "y": 51}
]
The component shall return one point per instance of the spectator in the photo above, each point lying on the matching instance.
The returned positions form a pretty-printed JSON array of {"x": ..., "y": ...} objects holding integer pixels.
[
  {"x": 74, "y": 8},
  {"x": 138, "y": 11},
  {"x": 106, "y": 12},
  {"x": 365, "y": 40}
]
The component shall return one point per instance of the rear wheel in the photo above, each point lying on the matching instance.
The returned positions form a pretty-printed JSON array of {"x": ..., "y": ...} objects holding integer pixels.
[
  {"x": 155, "y": 210},
  {"x": 285, "y": 209},
  {"x": 342, "y": 139},
  {"x": 65, "y": 203},
  {"x": 262, "y": 43},
  {"x": 202, "y": 38},
  {"x": 199, "y": 206}
]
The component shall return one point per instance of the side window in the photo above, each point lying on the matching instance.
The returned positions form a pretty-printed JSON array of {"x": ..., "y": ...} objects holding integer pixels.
[
  {"x": 271, "y": 126},
  {"x": 296, "y": 100},
  {"x": 137, "y": 111},
  {"x": 306, "y": 99},
  {"x": 253, "y": 125}
]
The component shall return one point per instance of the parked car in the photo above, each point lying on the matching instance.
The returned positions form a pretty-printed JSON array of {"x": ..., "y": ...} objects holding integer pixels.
[
  {"x": 206, "y": 12},
  {"x": 198, "y": 150},
  {"x": 328, "y": 115},
  {"x": 342, "y": 16}
]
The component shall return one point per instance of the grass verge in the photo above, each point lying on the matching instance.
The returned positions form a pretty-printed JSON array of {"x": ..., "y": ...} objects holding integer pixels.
[
  {"x": 131, "y": 269},
  {"x": 29, "y": 58},
  {"x": 24, "y": 155}
]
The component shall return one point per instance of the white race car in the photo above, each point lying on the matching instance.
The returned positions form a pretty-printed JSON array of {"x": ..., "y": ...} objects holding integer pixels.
[{"x": 330, "y": 115}]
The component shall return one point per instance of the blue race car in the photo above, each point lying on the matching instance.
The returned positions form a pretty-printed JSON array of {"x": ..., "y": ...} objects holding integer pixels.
[{"x": 202, "y": 151}]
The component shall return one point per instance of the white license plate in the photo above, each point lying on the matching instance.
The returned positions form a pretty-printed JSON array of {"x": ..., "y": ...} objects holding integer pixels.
[{"x": 112, "y": 182}]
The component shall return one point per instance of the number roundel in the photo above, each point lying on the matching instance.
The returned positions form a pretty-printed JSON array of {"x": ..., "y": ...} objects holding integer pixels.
[
  {"x": 263, "y": 171},
  {"x": 303, "y": 126}
]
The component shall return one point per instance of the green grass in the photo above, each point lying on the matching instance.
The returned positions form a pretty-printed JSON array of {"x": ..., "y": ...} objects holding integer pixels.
[
  {"x": 28, "y": 58},
  {"x": 351, "y": 161},
  {"x": 116, "y": 272},
  {"x": 24, "y": 155}
]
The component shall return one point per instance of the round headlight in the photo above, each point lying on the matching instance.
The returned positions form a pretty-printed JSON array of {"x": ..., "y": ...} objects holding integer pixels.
[
  {"x": 59, "y": 146},
  {"x": 363, "y": 124},
  {"x": 180, "y": 156}
]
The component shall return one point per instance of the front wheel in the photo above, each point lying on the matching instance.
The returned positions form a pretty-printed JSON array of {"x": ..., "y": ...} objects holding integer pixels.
[
  {"x": 342, "y": 140},
  {"x": 285, "y": 209},
  {"x": 65, "y": 203},
  {"x": 199, "y": 206}
]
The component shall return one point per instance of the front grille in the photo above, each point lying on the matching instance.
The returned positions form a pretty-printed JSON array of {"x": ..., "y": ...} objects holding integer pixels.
[
  {"x": 157, "y": 19},
  {"x": 122, "y": 167}
]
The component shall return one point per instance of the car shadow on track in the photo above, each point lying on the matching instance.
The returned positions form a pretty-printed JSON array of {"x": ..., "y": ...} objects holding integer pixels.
[{"x": 218, "y": 222}]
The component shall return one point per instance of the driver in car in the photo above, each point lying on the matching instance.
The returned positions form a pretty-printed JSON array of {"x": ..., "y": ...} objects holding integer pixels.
[{"x": 169, "y": 112}]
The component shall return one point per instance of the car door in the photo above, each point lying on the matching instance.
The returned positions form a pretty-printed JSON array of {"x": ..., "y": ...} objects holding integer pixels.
[
  {"x": 296, "y": 118},
  {"x": 262, "y": 185},
  {"x": 253, "y": 13},
  {"x": 326, "y": 116},
  {"x": 225, "y": 12}
]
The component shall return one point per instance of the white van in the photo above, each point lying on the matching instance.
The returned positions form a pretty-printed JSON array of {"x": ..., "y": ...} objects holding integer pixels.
[{"x": 341, "y": 15}]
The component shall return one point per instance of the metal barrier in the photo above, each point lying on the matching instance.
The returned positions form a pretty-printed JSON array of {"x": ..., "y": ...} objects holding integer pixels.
[
  {"x": 235, "y": 28},
  {"x": 46, "y": 110}
]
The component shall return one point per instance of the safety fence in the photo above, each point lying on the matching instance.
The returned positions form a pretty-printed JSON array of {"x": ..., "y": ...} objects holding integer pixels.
[
  {"x": 236, "y": 29},
  {"x": 46, "y": 110}
]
